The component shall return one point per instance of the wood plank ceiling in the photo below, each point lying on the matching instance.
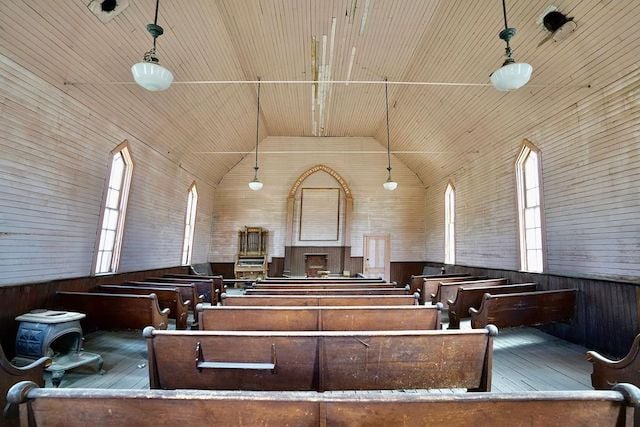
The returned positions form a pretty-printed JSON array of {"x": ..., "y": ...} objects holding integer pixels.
[{"x": 409, "y": 40}]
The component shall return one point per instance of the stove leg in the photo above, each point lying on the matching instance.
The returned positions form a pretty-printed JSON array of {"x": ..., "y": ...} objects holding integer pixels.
[
  {"x": 100, "y": 365},
  {"x": 56, "y": 377}
]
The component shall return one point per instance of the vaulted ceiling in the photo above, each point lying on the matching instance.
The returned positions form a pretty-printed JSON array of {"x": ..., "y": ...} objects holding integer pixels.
[{"x": 433, "y": 128}]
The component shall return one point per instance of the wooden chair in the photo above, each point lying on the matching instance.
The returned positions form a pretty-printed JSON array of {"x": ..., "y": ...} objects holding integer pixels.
[
  {"x": 151, "y": 408},
  {"x": 607, "y": 372},
  {"x": 10, "y": 375}
]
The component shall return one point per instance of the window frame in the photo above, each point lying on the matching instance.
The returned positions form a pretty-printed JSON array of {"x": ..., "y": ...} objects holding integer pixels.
[
  {"x": 449, "y": 237},
  {"x": 526, "y": 148},
  {"x": 189, "y": 221},
  {"x": 125, "y": 151}
]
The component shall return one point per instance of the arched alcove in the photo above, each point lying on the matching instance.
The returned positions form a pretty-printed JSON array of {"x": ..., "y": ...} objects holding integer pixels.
[{"x": 296, "y": 243}]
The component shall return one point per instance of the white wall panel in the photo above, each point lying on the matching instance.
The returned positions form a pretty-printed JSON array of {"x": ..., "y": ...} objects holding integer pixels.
[
  {"x": 400, "y": 213},
  {"x": 53, "y": 167},
  {"x": 590, "y": 156}
]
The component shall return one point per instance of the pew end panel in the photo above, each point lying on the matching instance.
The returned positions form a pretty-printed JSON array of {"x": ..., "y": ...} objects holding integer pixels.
[
  {"x": 10, "y": 375},
  {"x": 607, "y": 373}
]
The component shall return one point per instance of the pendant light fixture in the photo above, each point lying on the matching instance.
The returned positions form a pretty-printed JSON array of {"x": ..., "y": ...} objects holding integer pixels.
[
  {"x": 512, "y": 75},
  {"x": 389, "y": 184},
  {"x": 148, "y": 73},
  {"x": 255, "y": 184}
]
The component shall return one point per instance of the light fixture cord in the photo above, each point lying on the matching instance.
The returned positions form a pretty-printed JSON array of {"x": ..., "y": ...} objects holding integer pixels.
[
  {"x": 506, "y": 32},
  {"x": 386, "y": 98},
  {"x": 257, "y": 130},
  {"x": 155, "y": 22}
]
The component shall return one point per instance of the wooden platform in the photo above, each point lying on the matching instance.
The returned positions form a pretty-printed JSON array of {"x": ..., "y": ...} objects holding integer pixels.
[{"x": 524, "y": 359}]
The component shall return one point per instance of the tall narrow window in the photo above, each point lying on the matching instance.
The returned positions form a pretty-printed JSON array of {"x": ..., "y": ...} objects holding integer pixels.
[
  {"x": 529, "y": 208},
  {"x": 114, "y": 211},
  {"x": 189, "y": 224},
  {"x": 450, "y": 225}
]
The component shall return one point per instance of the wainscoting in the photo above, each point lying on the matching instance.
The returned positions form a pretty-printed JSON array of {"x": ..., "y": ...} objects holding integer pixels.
[
  {"x": 20, "y": 299},
  {"x": 294, "y": 258},
  {"x": 606, "y": 313}
]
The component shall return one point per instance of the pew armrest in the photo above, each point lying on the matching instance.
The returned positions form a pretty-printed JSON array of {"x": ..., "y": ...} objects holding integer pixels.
[
  {"x": 473, "y": 311},
  {"x": 259, "y": 366},
  {"x": 187, "y": 303},
  {"x": 597, "y": 359},
  {"x": 200, "y": 298},
  {"x": 165, "y": 311},
  {"x": 449, "y": 302}
]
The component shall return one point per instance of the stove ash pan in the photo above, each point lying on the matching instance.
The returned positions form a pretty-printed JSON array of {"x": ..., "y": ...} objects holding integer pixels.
[{"x": 47, "y": 333}]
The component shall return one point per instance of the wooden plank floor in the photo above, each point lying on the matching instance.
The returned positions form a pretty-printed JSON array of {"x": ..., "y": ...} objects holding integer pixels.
[{"x": 524, "y": 359}]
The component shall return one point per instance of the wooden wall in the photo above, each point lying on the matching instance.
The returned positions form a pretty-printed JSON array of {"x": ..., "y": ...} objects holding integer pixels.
[
  {"x": 53, "y": 168},
  {"x": 606, "y": 312},
  {"x": 590, "y": 155},
  {"x": 374, "y": 210},
  {"x": 20, "y": 299}
]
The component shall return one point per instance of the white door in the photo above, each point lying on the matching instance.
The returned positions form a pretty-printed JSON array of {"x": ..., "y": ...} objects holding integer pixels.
[{"x": 377, "y": 256}]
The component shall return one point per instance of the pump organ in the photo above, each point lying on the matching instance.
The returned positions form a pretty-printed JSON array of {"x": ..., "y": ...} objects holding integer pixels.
[{"x": 251, "y": 261}]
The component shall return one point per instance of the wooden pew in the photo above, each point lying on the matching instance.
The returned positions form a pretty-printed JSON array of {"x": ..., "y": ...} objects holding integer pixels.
[
  {"x": 218, "y": 283},
  {"x": 467, "y": 298},
  {"x": 320, "y": 361},
  {"x": 607, "y": 372},
  {"x": 322, "y": 300},
  {"x": 430, "y": 285},
  {"x": 204, "y": 287},
  {"x": 113, "y": 311},
  {"x": 325, "y": 285},
  {"x": 189, "y": 292},
  {"x": 330, "y": 291},
  {"x": 44, "y": 407},
  {"x": 10, "y": 375},
  {"x": 524, "y": 309},
  {"x": 415, "y": 283},
  {"x": 319, "y": 280},
  {"x": 447, "y": 290},
  {"x": 412, "y": 317},
  {"x": 170, "y": 298}
]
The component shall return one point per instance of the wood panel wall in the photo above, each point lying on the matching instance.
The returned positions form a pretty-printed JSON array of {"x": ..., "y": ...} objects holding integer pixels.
[
  {"x": 590, "y": 154},
  {"x": 20, "y": 299},
  {"x": 375, "y": 210},
  {"x": 606, "y": 312},
  {"x": 53, "y": 169}
]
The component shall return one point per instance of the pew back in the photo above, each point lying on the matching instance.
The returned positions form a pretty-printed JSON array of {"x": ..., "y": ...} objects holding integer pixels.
[
  {"x": 416, "y": 281},
  {"x": 320, "y": 361},
  {"x": 113, "y": 311},
  {"x": 329, "y": 291},
  {"x": 447, "y": 290},
  {"x": 430, "y": 285},
  {"x": 170, "y": 298},
  {"x": 607, "y": 372},
  {"x": 224, "y": 318},
  {"x": 468, "y": 297},
  {"x": 524, "y": 308},
  {"x": 204, "y": 287},
  {"x": 314, "y": 285},
  {"x": 323, "y": 300},
  {"x": 51, "y": 407}
]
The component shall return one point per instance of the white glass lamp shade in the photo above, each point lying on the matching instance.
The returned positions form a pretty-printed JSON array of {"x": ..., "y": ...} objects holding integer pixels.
[
  {"x": 151, "y": 76},
  {"x": 390, "y": 185},
  {"x": 511, "y": 76},
  {"x": 255, "y": 185}
]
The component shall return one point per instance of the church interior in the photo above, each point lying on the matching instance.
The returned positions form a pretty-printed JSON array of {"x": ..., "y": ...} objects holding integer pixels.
[{"x": 319, "y": 212}]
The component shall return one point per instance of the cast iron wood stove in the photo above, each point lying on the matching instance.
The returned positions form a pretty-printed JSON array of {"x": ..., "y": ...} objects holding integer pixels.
[{"x": 55, "y": 334}]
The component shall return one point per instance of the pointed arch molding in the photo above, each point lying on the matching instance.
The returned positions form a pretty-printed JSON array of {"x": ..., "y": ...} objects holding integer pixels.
[
  {"x": 320, "y": 168},
  {"x": 345, "y": 261}
]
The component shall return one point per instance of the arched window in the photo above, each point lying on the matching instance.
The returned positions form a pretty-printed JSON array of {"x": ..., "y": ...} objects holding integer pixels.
[
  {"x": 529, "y": 183},
  {"x": 113, "y": 213},
  {"x": 450, "y": 225},
  {"x": 189, "y": 224}
]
